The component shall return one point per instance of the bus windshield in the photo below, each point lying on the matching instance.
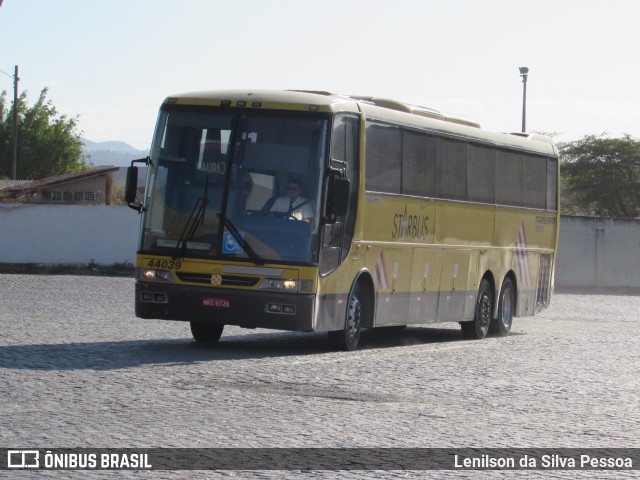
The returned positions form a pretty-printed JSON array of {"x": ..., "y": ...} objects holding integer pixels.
[{"x": 235, "y": 185}]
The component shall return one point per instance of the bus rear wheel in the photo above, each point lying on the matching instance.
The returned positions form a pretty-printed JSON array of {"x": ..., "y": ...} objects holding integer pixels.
[
  {"x": 206, "y": 332},
  {"x": 347, "y": 339},
  {"x": 501, "y": 326},
  {"x": 478, "y": 328}
]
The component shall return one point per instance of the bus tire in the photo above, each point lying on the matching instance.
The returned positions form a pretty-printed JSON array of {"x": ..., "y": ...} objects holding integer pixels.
[
  {"x": 501, "y": 325},
  {"x": 206, "y": 332},
  {"x": 347, "y": 339},
  {"x": 477, "y": 328}
]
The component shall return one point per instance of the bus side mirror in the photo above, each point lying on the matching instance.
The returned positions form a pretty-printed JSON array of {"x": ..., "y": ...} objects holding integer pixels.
[
  {"x": 338, "y": 199},
  {"x": 131, "y": 186}
]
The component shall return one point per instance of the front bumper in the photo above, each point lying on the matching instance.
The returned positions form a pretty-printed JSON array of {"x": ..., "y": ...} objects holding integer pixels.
[{"x": 249, "y": 309}]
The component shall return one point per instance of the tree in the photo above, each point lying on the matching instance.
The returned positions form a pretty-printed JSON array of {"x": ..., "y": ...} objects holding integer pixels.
[
  {"x": 48, "y": 144},
  {"x": 601, "y": 176}
]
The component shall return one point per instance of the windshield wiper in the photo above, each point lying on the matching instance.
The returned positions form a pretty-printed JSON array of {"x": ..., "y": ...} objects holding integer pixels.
[
  {"x": 196, "y": 217},
  {"x": 245, "y": 245}
]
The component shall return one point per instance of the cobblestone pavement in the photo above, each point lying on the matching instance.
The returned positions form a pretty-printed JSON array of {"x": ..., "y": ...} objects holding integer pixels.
[{"x": 78, "y": 369}]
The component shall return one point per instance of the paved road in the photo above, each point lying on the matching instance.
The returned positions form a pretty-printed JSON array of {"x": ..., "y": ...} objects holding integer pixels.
[{"x": 79, "y": 370}]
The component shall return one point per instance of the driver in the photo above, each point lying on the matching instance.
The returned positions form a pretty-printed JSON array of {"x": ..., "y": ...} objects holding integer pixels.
[{"x": 292, "y": 204}]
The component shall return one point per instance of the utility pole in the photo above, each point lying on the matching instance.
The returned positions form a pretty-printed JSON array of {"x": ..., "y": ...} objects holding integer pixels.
[
  {"x": 524, "y": 73},
  {"x": 14, "y": 151}
]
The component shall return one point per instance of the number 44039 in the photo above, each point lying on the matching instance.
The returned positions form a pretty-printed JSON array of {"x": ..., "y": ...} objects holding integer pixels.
[{"x": 166, "y": 264}]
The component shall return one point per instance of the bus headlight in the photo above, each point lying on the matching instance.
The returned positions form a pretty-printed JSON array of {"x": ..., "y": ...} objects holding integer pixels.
[
  {"x": 153, "y": 274},
  {"x": 288, "y": 285}
]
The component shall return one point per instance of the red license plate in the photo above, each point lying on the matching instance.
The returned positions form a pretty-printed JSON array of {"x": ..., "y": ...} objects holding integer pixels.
[{"x": 214, "y": 302}]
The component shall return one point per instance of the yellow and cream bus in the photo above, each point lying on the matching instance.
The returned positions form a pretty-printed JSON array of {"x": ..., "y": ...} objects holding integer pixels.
[{"x": 316, "y": 212}]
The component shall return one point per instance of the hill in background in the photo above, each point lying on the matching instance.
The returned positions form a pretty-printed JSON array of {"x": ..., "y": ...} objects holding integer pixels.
[{"x": 118, "y": 154}]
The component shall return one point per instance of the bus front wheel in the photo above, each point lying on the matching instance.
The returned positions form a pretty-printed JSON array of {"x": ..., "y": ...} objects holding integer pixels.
[
  {"x": 206, "y": 332},
  {"x": 502, "y": 325},
  {"x": 478, "y": 328},
  {"x": 347, "y": 338}
]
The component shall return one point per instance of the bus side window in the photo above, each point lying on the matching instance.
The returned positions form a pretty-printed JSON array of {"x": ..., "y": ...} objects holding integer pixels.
[
  {"x": 418, "y": 163},
  {"x": 384, "y": 158}
]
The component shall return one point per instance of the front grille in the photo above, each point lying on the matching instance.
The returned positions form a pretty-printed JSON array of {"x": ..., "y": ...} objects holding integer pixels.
[
  {"x": 236, "y": 281},
  {"x": 227, "y": 280},
  {"x": 194, "y": 277}
]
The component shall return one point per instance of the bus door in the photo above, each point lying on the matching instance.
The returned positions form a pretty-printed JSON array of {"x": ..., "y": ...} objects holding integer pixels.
[{"x": 337, "y": 231}]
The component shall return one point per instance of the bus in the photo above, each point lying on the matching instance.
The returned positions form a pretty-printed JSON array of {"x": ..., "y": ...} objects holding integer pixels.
[{"x": 317, "y": 212}]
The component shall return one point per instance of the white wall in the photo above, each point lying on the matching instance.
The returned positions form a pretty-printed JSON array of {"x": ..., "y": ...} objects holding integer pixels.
[
  {"x": 593, "y": 252},
  {"x": 598, "y": 252},
  {"x": 68, "y": 234}
]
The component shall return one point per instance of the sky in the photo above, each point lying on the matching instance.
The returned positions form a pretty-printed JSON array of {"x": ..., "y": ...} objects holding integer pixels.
[{"x": 112, "y": 63}]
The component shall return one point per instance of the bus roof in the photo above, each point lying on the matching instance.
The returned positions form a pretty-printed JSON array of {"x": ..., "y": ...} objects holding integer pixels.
[
  {"x": 372, "y": 107},
  {"x": 274, "y": 99}
]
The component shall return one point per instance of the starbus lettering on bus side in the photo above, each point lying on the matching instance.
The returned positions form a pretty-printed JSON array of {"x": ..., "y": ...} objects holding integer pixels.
[{"x": 406, "y": 226}]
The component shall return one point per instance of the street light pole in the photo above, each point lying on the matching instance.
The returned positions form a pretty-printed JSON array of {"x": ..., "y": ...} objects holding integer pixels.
[
  {"x": 524, "y": 73},
  {"x": 14, "y": 151}
]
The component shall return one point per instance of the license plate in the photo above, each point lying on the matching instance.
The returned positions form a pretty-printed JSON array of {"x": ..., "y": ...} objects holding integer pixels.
[{"x": 214, "y": 302}]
